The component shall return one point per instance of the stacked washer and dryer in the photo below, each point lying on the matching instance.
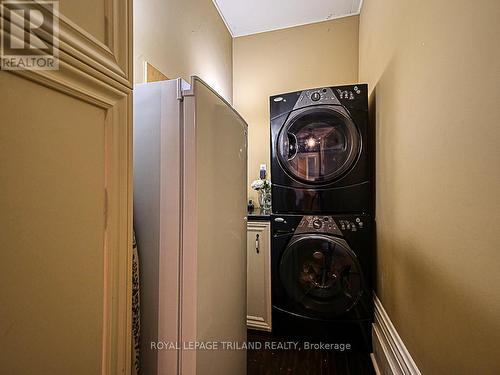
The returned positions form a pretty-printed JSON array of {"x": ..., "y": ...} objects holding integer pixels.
[{"x": 322, "y": 251}]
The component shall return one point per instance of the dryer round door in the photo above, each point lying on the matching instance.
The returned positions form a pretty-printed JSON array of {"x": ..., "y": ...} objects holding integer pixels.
[
  {"x": 318, "y": 145},
  {"x": 321, "y": 274}
]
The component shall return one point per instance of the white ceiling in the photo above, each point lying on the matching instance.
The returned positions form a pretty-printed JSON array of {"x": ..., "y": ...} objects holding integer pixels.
[{"x": 244, "y": 17}]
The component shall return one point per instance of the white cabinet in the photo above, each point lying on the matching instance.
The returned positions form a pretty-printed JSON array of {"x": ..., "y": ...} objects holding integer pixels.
[{"x": 259, "y": 275}]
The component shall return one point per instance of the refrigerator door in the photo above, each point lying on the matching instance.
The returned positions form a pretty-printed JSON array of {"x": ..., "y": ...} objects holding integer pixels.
[
  {"x": 157, "y": 207},
  {"x": 213, "y": 282}
]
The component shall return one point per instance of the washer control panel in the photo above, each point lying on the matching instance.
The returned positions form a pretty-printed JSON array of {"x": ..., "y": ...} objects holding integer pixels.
[
  {"x": 318, "y": 224},
  {"x": 327, "y": 224},
  {"x": 353, "y": 226}
]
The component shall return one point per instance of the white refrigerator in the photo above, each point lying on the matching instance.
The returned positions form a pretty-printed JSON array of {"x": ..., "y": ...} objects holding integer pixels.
[{"x": 190, "y": 190}]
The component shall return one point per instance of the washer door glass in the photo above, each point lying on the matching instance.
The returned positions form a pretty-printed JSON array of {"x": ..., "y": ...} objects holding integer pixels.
[
  {"x": 321, "y": 275},
  {"x": 318, "y": 145}
]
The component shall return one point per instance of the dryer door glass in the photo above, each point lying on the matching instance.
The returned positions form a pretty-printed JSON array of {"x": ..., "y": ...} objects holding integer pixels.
[
  {"x": 318, "y": 145},
  {"x": 321, "y": 275}
]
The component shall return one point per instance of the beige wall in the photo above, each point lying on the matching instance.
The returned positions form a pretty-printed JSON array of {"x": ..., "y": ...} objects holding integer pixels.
[
  {"x": 275, "y": 62},
  {"x": 434, "y": 70},
  {"x": 183, "y": 38}
]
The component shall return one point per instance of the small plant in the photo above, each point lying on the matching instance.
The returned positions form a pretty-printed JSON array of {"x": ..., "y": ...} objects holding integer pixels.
[{"x": 263, "y": 187}]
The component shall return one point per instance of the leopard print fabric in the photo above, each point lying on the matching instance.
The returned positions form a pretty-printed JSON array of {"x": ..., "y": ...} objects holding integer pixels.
[{"x": 136, "y": 311}]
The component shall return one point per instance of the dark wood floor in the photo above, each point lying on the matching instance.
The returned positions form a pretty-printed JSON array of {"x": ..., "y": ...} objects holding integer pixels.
[{"x": 269, "y": 361}]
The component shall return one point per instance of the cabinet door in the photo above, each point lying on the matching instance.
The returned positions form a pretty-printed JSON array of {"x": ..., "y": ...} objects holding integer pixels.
[
  {"x": 65, "y": 198},
  {"x": 259, "y": 276}
]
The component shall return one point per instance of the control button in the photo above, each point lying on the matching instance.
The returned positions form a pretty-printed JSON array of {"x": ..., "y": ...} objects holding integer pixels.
[
  {"x": 358, "y": 220},
  {"x": 325, "y": 218},
  {"x": 360, "y": 224},
  {"x": 315, "y": 96},
  {"x": 317, "y": 224}
]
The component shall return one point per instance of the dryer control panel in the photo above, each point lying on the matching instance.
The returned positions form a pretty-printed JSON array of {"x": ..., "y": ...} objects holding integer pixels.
[{"x": 316, "y": 96}]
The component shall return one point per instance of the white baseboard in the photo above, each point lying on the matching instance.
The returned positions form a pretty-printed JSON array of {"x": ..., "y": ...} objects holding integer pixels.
[
  {"x": 375, "y": 364},
  {"x": 390, "y": 355}
]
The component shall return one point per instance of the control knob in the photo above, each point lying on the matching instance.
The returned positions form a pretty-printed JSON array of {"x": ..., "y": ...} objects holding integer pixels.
[
  {"x": 315, "y": 96},
  {"x": 317, "y": 224}
]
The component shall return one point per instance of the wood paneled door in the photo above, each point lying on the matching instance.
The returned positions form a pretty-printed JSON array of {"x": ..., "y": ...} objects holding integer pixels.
[{"x": 65, "y": 200}]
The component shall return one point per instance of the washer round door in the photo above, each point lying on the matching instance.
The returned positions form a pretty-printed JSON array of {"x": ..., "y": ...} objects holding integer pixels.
[
  {"x": 318, "y": 145},
  {"x": 321, "y": 275}
]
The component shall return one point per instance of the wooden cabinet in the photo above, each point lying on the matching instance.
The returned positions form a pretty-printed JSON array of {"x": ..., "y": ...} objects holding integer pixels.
[
  {"x": 65, "y": 198},
  {"x": 259, "y": 275}
]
